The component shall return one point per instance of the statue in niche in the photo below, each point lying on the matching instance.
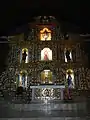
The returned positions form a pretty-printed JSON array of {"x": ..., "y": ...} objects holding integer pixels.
[
  {"x": 23, "y": 79},
  {"x": 68, "y": 55},
  {"x": 67, "y": 91},
  {"x": 45, "y": 35},
  {"x": 46, "y": 55},
  {"x": 46, "y": 76},
  {"x": 24, "y": 55},
  {"x": 70, "y": 84},
  {"x": 46, "y": 79}
]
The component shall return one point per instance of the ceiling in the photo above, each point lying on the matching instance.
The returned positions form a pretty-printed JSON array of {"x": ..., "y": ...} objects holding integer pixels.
[{"x": 17, "y": 13}]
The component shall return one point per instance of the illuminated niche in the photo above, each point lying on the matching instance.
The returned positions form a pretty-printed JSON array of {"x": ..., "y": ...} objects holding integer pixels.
[
  {"x": 67, "y": 55},
  {"x": 22, "y": 79},
  {"x": 70, "y": 78},
  {"x": 46, "y": 54},
  {"x": 24, "y": 55},
  {"x": 45, "y": 34},
  {"x": 46, "y": 76}
]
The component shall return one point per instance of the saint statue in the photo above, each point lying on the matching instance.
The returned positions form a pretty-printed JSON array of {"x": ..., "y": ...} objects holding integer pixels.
[
  {"x": 67, "y": 91},
  {"x": 69, "y": 81},
  {"x": 23, "y": 79},
  {"x": 46, "y": 55},
  {"x": 45, "y": 35},
  {"x": 24, "y": 56},
  {"x": 68, "y": 55}
]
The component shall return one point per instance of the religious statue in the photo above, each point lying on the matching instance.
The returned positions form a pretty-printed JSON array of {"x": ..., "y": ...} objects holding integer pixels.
[
  {"x": 70, "y": 84},
  {"x": 23, "y": 79},
  {"x": 24, "y": 56},
  {"x": 45, "y": 35},
  {"x": 68, "y": 55},
  {"x": 46, "y": 76},
  {"x": 69, "y": 81},
  {"x": 46, "y": 55}
]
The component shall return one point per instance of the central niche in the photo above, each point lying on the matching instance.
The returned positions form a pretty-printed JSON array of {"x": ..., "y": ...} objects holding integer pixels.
[
  {"x": 46, "y": 76},
  {"x": 45, "y": 34},
  {"x": 46, "y": 54}
]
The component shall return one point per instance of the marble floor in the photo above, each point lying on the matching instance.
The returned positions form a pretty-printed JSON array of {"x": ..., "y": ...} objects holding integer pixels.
[
  {"x": 48, "y": 118},
  {"x": 45, "y": 111}
]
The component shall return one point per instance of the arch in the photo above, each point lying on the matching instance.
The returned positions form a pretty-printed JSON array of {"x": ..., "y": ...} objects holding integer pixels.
[
  {"x": 46, "y": 54},
  {"x": 24, "y": 55},
  {"x": 46, "y": 76},
  {"x": 22, "y": 80},
  {"x": 70, "y": 78},
  {"x": 45, "y": 34}
]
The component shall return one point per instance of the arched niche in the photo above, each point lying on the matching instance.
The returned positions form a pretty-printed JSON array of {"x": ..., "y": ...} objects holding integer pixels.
[
  {"x": 67, "y": 55},
  {"x": 46, "y": 54},
  {"x": 24, "y": 57},
  {"x": 45, "y": 34},
  {"x": 70, "y": 78},
  {"x": 46, "y": 76},
  {"x": 22, "y": 79}
]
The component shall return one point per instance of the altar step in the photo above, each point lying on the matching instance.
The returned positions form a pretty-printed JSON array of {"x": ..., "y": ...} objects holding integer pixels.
[
  {"x": 63, "y": 111},
  {"x": 50, "y": 106},
  {"x": 49, "y": 118}
]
